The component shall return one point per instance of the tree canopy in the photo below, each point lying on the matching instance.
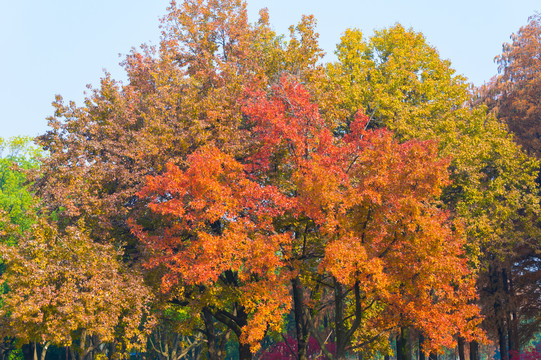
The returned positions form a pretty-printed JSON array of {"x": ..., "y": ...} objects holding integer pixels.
[{"x": 237, "y": 192}]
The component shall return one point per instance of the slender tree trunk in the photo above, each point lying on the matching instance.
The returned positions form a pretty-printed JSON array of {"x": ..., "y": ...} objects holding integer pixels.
[
  {"x": 244, "y": 349},
  {"x": 421, "y": 346},
  {"x": 210, "y": 334},
  {"x": 502, "y": 341},
  {"x": 461, "y": 353},
  {"x": 224, "y": 339},
  {"x": 44, "y": 350},
  {"x": 82, "y": 345},
  {"x": 4, "y": 353},
  {"x": 497, "y": 288},
  {"x": 511, "y": 346},
  {"x": 35, "y": 351},
  {"x": 409, "y": 344},
  {"x": 339, "y": 326},
  {"x": 399, "y": 353},
  {"x": 500, "y": 312},
  {"x": 474, "y": 350},
  {"x": 7, "y": 347},
  {"x": 111, "y": 353},
  {"x": 514, "y": 344},
  {"x": 300, "y": 322},
  {"x": 511, "y": 314},
  {"x": 433, "y": 356}
]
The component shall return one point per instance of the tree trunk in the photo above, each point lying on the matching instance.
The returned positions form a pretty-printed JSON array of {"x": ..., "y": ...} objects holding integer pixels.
[
  {"x": 399, "y": 354},
  {"x": 44, "y": 350},
  {"x": 461, "y": 354},
  {"x": 512, "y": 332},
  {"x": 244, "y": 349},
  {"x": 502, "y": 341},
  {"x": 244, "y": 352},
  {"x": 402, "y": 349},
  {"x": 474, "y": 350},
  {"x": 300, "y": 322},
  {"x": 511, "y": 314},
  {"x": 210, "y": 333},
  {"x": 224, "y": 339},
  {"x": 237, "y": 320},
  {"x": 28, "y": 351},
  {"x": 421, "y": 347},
  {"x": 497, "y": 288},
  {"x": 339, "y": 326},
  {"x": 5, "y": 349},
  {"x": 433, "y": 356},
  {"x": 111, "y": 354}
]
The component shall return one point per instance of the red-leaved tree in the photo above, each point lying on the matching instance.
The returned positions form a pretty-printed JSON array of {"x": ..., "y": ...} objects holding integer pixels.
[{"x": 355, "y": 211}]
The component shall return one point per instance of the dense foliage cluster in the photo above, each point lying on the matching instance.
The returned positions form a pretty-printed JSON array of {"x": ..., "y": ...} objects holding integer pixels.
[{"x": 236, "y": 197}]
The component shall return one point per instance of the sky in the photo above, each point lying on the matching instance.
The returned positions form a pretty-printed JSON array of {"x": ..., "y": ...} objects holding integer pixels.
[{"x": 61, "y": 46}]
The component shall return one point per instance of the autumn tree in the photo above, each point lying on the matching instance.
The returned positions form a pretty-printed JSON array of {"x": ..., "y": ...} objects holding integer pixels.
[
  {"x": 513, "y": 97},
  {"x": 360, "y": 208},
  {"x": 336, "y": 193},
  {"x": 515, "y": 92},
  {"x": 399, "y": 79},
  {"x": 179, "y": 97},
  {"x": 219, "y": 234},
  {"x": 65, "y": 290}
]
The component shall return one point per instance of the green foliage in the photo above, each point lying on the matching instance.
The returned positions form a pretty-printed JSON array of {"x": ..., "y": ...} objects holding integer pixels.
[
  {"x": 176, "y": 313},
  {"x": 17, "y": 157},
  {"x": 16, "y": 354}
]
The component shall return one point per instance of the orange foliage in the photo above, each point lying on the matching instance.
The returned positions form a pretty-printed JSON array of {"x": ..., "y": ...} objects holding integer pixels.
[
  {"x": 371, "y": 201},
  {"x": 221, "y": 220}
]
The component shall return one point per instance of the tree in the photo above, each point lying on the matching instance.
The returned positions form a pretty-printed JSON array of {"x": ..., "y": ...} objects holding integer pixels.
[
  {"x": 179, "y": 97},
  {"x": 68, "y": 291},
  {"x": 219, "y": 234},
  {"x": 192, "y": 102},
  {"x": 401, "y": 81},
  {"x": 513, "y": 97},
  {"x": 514, "y": 93},
  {"x": 367, "y": 201},
  {"x": 17, "y": 156}
]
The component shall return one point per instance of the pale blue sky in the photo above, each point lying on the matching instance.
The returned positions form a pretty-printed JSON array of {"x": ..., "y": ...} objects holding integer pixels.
[{"x": 58, "y": 46}]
